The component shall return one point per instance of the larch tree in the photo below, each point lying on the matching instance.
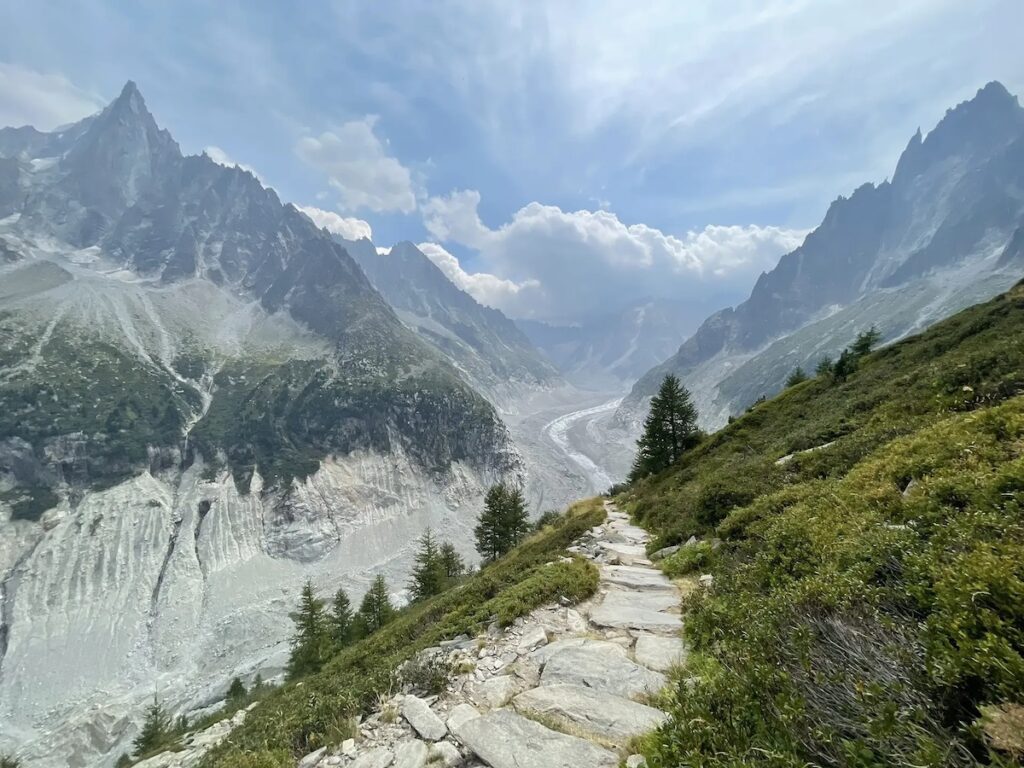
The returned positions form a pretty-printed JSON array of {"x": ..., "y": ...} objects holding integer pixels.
[
  {"x": 376, "y": 609},
  {"x": 311, "y": 641},
  {"x": 669, "y": 429}
]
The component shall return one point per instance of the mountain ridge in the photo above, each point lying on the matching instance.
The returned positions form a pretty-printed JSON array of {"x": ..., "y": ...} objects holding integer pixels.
[{"x": 951, "y": 202}]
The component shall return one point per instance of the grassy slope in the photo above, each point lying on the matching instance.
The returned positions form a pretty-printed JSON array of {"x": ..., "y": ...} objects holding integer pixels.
[
  {"x": 302, "y": 716},
  {"x": 869, "y": 597}
]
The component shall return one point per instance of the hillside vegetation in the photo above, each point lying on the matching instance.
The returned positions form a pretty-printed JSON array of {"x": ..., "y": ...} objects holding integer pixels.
[
  {"x": 867, "y": 607},
  {"x": 318, "y": 710}
]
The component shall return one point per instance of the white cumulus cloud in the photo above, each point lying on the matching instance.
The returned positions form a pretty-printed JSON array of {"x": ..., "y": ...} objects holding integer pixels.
[
  {"x": 358, "y": 166},
  {"x": 580, "y": 262},
  {"x": 43, "y": 100},
  {"x": 488, "y": 289},
  {"x": 347, "y": 227}
]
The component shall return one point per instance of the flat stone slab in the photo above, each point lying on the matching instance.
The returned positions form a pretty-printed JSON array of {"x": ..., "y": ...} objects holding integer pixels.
[
  {"x": 504, "y": 739},
  {"x": 659, "y": 652},
  {"x": 635, "y": 577},
  {"x": 422, "y": 719},
  {"x": 642, "y": 610},
  {"x": 542, "y": 655},
  {"x": 461, "y": 713},
  {"x": 601, "y": 666},
  {"x": 410, "y": 754},
  {"x": 591, "y": 713}
]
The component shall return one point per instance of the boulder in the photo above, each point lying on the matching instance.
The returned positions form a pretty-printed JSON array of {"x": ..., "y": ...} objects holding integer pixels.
[
  {"x": 664, "y": 552},
  {"x": 532, "y": 639},
  {"x": 422, "y": 719},
  {"x": 591, "y": 713},
  {"x": 312, "y": 758},
  {"x": 494, "y": 692},
  {"x": 444, "y": 753},
  {"x": 504, "y": 739}
]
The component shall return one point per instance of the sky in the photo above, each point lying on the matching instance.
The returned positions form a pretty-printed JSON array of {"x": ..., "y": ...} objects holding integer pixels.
[{"x": 557, "y": 160}]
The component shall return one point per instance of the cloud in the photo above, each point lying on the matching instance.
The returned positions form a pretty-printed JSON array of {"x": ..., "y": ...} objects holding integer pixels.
[
  {"x": 488, "y": 289},
  {"x": 220, "y": 157},
  {"x": 45, "y": 101},
  {"x": 347, "y": 227},
  {"x": 580, "y": 262},
  {"x": 357, "y": 165}
]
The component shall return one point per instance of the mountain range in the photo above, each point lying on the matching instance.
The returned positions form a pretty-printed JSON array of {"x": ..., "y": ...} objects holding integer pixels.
[
  {"x": 203, "y": 403},
  {"x": 945, "y": 232}
]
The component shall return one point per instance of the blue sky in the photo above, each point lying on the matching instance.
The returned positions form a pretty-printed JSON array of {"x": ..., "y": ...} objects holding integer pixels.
[{"x": 556, "y": 159}]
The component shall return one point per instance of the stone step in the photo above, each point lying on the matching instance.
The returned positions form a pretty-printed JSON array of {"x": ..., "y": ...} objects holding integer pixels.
[
  {"x": 603, "y": 667},
  {"x": 659, "y": 652},
  {"x": 596, "y": 715},
  {"x": 635, "y": 577},
  {"x": 505, "y": 739},
  {"x": 640, "y": 610},
  {"x": 626, "y": 554}
]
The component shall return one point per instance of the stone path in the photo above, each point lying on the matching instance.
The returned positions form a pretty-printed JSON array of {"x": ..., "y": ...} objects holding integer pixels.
[{"x": 565, "y": 687}]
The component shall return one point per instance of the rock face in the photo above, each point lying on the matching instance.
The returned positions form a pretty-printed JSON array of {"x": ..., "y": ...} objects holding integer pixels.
[
  {"x": 941, "y": 235},
  {"x": 498, "y": 359},
  {"x": 204, "y": 402}
]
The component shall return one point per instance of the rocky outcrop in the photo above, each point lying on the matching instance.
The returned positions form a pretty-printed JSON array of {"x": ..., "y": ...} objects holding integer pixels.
[{"x": 898, "y": 255}]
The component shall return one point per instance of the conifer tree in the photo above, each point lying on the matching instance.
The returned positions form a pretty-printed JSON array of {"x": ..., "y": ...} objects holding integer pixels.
[
  {"x": 236, "y": 691},
  {"x": 865, "y": 342},
  {"x": 341, "y": 620},
  {"x": 669, "y": 429},
  {"x": 451, "y": 561},
  {"x": 376, "y": 609},
  {"x": 428, "y": 575},
  {"x": 503, "y": 522},
  {"x": 824, "y": 367},
  {"x": 310, "y": 643},
  {"x": 156, "y": 730},
  {"x": 796, "y": 377},
  {"x": 845, "y": 365},
  {"x": 515, "y": 522}
]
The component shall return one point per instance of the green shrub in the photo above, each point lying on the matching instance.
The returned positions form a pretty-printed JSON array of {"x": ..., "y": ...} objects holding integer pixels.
[{"x": 689, "y": 559}]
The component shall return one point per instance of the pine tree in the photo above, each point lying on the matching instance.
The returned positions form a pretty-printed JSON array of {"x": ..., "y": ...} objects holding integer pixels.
[
  {"x": 503, "y": 523},
  {"x": 845, "y": 365},
  {"x": 865, "y": 342},
  {"x": 515, "y": 522},
  {"x": 156, "y": 730},
  {"x": 669, "y": 429},
  {"x": 341, "y": 619},
  {"x": 311, "y": 639},
  {"x": 428, "y": 575},
  {"x": 796, "y": 377},
  {"x": 236, "y": 691},
  {"x": 376, "y": 609},
  {"x": 257, "y": 683},
  {"x": 824, "y": 367},
  {"x": 451, "y": 562},
  {"x": 488, "y": 526}
]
